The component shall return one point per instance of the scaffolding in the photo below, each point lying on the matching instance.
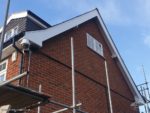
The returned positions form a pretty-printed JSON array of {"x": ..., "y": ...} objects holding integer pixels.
[{"x": 145, "y": 92}]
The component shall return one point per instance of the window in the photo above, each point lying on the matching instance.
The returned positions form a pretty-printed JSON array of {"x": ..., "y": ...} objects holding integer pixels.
[
  {"x": 93, "y": 44},
  {"x": 9, "y": 34},
  {"x": 3, "y": 70}
]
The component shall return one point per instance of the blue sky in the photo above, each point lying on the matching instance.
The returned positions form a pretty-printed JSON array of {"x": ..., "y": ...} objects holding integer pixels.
[{"x": 127, "y": 21}]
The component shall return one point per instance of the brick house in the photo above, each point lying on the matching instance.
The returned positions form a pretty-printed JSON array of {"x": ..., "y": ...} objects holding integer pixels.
[{"x": 48, "y": 63}]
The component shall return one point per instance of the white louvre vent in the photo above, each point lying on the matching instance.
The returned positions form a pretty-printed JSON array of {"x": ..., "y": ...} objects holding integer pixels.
[
  {"x": 95, "y": 45},
  {"x": 14, "y": 56}
]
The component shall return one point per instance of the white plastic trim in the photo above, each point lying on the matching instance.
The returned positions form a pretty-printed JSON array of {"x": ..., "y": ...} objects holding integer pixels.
[
  {"x": 17, "y": 15},
  {"x": 5, "y": 70},
  {"x": 21, "y": 15},
  {"x": 13, "y": 79}
]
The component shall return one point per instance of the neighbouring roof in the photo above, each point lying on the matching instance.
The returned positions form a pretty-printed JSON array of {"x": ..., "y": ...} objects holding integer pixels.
[
  {"x": 31, "y": 16},
  {"x": 38, "y": 37}
]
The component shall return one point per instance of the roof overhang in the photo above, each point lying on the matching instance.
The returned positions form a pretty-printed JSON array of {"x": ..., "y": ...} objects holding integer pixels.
[
  {"x": 7, "y": 51},
  {"x": 38, "y": 37},
  {"x": 8, "y": 48}
]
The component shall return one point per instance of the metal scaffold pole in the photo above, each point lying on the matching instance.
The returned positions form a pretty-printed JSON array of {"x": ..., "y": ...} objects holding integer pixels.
[
  {"x": 73, "y": 77},
  {"x": 40, "y": 91},
  {"x": 143, "y": 94},
  {"x": 108, "y": 87},
  {"x": 4, "y": 29},
  {"x": 74, "y": 106},
  {"x": 146, "y": 82},
  {"x": 144, "y": 90}
]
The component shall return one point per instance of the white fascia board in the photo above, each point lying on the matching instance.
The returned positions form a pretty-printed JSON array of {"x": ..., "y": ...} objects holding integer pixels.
[
  {"x": 41, "y": 35},
  {"x": 17, "y": 15},
  {"x": 24, "y": 14},
  {"x": 38, "y": 37},
  {"x": 7, "y": 51},
  {"x": 21, "y": 15}
]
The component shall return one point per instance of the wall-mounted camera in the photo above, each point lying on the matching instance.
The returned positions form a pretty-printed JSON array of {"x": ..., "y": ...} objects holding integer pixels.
[{"x": 25, "y": 43}]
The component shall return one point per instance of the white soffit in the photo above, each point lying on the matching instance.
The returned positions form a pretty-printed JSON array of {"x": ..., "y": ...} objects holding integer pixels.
[
  {"x": 17, "y": 15},
  {"x": 39, "y": 36}
]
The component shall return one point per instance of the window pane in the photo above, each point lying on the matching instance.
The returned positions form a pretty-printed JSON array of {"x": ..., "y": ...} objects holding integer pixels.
[
  {"x": 2, "y": 66},
  {"x": 98, "y": 49},
  {"x": 90, "y": 41},
  {"x": 2, "y": 78},
  {"x": 8, "y": 35}
]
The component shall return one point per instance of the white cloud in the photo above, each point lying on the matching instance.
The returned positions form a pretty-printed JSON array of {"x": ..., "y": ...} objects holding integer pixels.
[{"x": 147, "y": 41}]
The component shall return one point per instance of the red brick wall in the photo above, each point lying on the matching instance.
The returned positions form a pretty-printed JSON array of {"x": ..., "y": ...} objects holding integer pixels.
[
  {"x": 13, "y": 67},
  {"x": 55, "y": 75}
]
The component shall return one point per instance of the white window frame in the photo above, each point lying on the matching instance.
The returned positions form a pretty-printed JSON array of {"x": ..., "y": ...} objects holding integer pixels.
[
  {"x": 5, "y": 70},
  {"x": 6, "y": 38},
  {"x": 13, "y": 31},
  {"x": 95, "y": 45}
]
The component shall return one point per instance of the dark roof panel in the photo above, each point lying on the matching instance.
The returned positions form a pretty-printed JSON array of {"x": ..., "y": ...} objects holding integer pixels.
[{"x": 38, "y": 18}]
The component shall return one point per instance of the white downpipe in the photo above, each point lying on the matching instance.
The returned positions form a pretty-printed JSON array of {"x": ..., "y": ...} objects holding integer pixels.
[
  {"x": 40, "y": 90},
  {"x": 108, "y": 88},
  {"x": 73, "y": 77}
]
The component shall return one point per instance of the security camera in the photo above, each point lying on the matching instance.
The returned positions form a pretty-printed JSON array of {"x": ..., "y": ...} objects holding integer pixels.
[{"x": 25, "y": 43}]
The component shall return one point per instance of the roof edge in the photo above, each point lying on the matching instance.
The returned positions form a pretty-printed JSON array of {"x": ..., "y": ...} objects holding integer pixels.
[{"x": 136, "y": 92}]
